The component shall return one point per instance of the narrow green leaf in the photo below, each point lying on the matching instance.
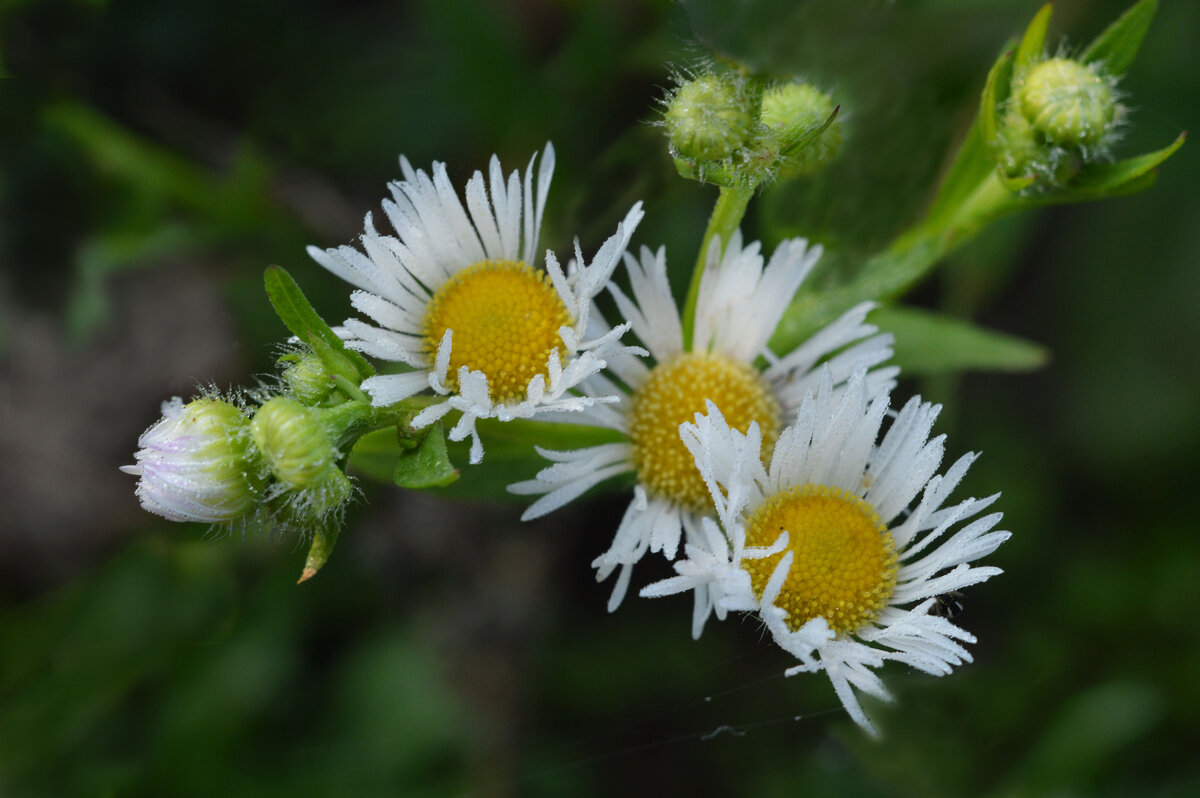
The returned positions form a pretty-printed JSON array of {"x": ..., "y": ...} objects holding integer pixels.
[
  {"x": 428, "y": 466},
  {"x": 129, "y": 246},
  {"x": 884, "y": 276},
  {"x": 1110, "y": 175},
  {"x": 293, "y": 307},
  {"x": 509, "y": 456},
  {"x": 1015, "y": 185},
  {"x": 220, "y": 203},
  {"x": 812, "y": 134},
  {"x": 995, "y": 90},
  {"x": 1092, "y": 728},
  {"x": 972, "y": 164},
  {"x": 1104, "y": 180},
  {"x": 929, "y": 343},
  {"x": 335, "y": 361},
  {"x": 1033, "y": 43},
  {"x": 1117, "y": 46},
  {"x": 305, "y": 323},
  {"x": 318, "y": 552}
]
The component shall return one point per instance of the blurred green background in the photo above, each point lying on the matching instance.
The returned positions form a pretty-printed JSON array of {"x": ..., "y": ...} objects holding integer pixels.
[{"x": 156, "y": 156}]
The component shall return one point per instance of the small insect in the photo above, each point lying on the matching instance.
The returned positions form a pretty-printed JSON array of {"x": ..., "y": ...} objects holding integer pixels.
[{"x": 947, "y": 605}]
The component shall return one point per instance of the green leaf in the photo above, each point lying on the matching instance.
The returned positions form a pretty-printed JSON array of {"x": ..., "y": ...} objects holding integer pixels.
[
  {"x": 117, "y": 250},
  {"x": 509, "y": 455},
  {"x": 1103, "y": 180},
  {"x": 333, "y": 360},
  {"x": 1110, "y": 175},
  {"x": 305, "y": 323},
  {"x": 884, "y": 276},
  {"x": 375, "y": 454},
  {"x": 427, "y": 466},
  {"x": 810, "y": 135},
  {"x": 1117, "y": 46},
  {"x": 995, "y": 90},
  {"x": 1094, "y": 726},
  {"x": 930, "y": 343},
  {"x": 318, "y": 552},
  {"x": 972, "y": 164},
  {"x": 1033, "y": 43},
  {"x": 234, "y": 203}
]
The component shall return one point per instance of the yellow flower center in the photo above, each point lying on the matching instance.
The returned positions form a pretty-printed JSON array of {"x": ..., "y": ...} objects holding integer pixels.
[
  {"x": 673, "y": 393},
  {"x": 505, "y": 317},
  {"x": 844, "y": 560}
]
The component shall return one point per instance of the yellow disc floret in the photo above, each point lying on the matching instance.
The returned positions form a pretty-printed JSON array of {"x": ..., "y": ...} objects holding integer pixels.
[
  {"x": 844, "y": 560},
  {"x": 505, "y": 317},
  {"x": 673, "y": 393}
]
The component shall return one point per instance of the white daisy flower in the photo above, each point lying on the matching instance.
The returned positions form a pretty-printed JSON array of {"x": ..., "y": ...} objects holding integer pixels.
[
  {"x": 841, "y": 559},
  {"x": 454, "y": 295},
  {"x": 739, "y": 304}
]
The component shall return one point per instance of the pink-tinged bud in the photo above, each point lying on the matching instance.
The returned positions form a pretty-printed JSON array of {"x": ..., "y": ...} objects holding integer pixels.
[{"x": 196, "y": 463}]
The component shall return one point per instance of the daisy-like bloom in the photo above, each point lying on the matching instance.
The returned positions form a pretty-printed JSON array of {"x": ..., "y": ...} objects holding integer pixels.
[
  {"x": 830, "y": 543},
  {"x": 454, "y": 296},
  {"x": 739, "y": 304},
  {"x": 197, "y": 463}
]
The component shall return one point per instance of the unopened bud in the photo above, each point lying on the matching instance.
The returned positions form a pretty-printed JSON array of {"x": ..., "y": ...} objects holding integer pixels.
[
  {"x": 307, "y": 378},
  {"x": 1067, "y": 103},
  {"x": 310, "y": 508},
  {"x": 793, "y": 112},
  {"x": 293, "y": 442},
  {"x": 196, "y": 463},
  {"x": 710, "y": 118}
]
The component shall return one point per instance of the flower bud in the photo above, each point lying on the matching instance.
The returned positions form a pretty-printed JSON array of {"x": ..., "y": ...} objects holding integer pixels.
[
  {"x": 293, "y": 442},
  {"x": 1067, "y": 103},
  {"x": 196, "y": 463},
  {"x": 307, "y": 378},
  {"x": 1023, "y": 154},
  {"x": 710, "y": 118},
  {"x": 309, "y": 509},
  {"x": 792, "y": 112}
]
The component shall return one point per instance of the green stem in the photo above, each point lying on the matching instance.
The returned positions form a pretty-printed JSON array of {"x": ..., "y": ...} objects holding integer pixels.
[
  {"x": 726, "y": 216},
  {"x": 348, "y": 422},
  {"x": 909, "y": 258},
  {"x": 990, "y": 200},
  {"x": 350, "y": 389}
]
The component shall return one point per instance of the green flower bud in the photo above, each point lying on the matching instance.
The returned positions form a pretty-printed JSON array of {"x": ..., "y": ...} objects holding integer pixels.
[
  {"x": 710, "y": 118},
  {"x": 196, "y": 463},
  {"x": 307, "y": 378},
  {"x": 1067, "y": 103},
  {"x": 1020, "y": 147},
  {"x": 311, "y": 508},
  {"x": 294, "y": 443},
  {"x": 1022, "y": 154},
  {"x": 793, "y": 112}
]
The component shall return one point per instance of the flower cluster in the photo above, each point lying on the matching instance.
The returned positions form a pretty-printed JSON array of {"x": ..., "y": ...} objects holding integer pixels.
[
  {"x": 755, "y": 419},
  {"x": 734, "y": 129},
  {"x": 228, "y": 461},
  {"x": 702, "y": 405}
]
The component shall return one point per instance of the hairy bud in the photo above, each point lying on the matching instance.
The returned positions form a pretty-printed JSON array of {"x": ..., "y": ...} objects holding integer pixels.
[
  {"x": 795, "y": 114},
  {"x": 293, "y": 442},
  {"x": 307, "y": 378},
  {"x": 1062, "y": 115},
  {"x": 1067, "y": 103},
  {"x": 710, "y": 118},
  {"x": 197, "y": 464}
]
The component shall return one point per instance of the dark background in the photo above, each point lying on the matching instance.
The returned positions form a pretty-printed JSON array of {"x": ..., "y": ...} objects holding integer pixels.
[{"x": 156, "y": 156}]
